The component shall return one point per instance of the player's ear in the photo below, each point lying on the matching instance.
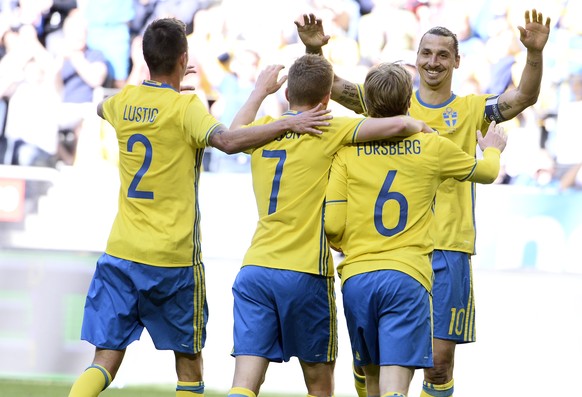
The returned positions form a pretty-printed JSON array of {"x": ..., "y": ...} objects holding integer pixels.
[
  {"x": 287, "y": 94},
  {"x": 325, "y": 100}
]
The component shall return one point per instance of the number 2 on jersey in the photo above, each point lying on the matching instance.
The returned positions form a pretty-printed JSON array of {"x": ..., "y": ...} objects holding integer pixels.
[
  {"x": 384, "y": 196},
  {"x": 282, "y": 156},
  {"x": 147, "y": 161}
]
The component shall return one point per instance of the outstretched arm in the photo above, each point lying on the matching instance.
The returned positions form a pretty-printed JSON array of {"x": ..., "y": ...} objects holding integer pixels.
[
  {"x": 240, "y": 139},
  {"x": 310, "y": 31},
  {"x": 534, "y": 36},
  {"x": 265, "y": 85},
  {"x": 387, "y": 127}
]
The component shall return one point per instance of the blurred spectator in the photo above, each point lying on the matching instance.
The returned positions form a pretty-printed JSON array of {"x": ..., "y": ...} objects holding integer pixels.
[
  {"x": 376, "y": 34},
  {"x": 542, "y": 172},
  {"x": 108, "y": 31},
  {"x": 568, "y": 137},
  {"x": 362, "y": 34},
  {"x": 22, "y": 48},
  {"x": 82, "y": 69},
  {"x": 28, "y": 12},
  {"x": 33, "y": 138},
  {"x": 184, "y": 10},
  {"x": 139, "y": 70},
  {"x": 242, "y": 66},
  {"x": 572, "y": 178}
]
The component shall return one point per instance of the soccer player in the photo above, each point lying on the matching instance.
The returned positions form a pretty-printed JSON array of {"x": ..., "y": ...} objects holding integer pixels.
[
  {"x": 151, "y": 274},
  {"x": 284, "y": 299},
  {"x": 455, "y": 118},
  {"x": 379, "y": 208}
]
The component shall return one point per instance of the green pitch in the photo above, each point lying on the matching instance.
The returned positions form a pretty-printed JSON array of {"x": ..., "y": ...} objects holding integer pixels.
[{"x": 33, "y": 388}]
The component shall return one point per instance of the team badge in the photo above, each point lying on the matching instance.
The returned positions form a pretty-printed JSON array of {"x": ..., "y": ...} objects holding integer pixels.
[{"x": 450, "y": 117}]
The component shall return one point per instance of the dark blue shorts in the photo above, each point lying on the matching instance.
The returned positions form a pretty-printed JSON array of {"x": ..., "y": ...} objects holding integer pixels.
[
  {"x": 452, "y": 292},
  {"x": 279, "y": 314},
  {"x": 388, "y": 314},
  {"x": 125, "y": 297}
]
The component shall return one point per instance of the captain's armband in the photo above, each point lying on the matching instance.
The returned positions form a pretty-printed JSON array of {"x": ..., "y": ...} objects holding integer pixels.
[{"x": 492, "y": 112}]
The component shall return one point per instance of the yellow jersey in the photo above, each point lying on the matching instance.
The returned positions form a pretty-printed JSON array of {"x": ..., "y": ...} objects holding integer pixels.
[{"x": 161, "y": 135}]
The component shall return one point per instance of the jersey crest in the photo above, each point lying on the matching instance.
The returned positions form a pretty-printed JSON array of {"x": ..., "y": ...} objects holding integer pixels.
[{"x": 450, "y": 117}]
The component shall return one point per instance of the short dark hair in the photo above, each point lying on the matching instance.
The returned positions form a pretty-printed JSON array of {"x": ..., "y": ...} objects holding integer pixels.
[
  {"x": 442, "y": 31},
  {"x": 388, "y": 88},
  {"x": 309, "y": 80},
  {"x": 164, "y": 41}
]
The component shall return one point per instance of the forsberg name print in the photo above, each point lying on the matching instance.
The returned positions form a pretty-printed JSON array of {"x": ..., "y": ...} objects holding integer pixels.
[{"x": 385, "y": 148}]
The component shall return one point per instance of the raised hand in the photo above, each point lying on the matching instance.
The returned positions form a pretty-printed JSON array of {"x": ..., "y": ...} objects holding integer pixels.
[
  {"x": 267, "y": 82},
  {"x": 310, "y": 30},
  {"x": 184, "y": 88},
  {"x": 308, "y": 121},
  {"x": 496, "y": 137},
  {"x": 534, "y": 35}
]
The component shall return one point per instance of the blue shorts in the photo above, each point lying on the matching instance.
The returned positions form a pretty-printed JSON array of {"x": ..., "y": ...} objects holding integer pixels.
[
  {"x": 388, "y": 314},
  {"x": 125, "y": 297},
  {"x": 452, "y": 292},
  {"x": 279, "y": 314}
]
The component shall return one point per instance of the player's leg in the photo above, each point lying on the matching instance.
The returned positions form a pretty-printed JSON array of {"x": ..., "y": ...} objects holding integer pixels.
[
  {"x": 249, "y": 375},
  {"x": 359, "y": 380},
  {"x": 111, "y": 292},
  {"x": 454, "y": 318},
  {"x": 394, "y": 380},
  {"x": 438, "y": 380},
  {"x": 256, "y": 332},
  {"x": 318, "y": 378},
  {"x": 99, "y": 374},
  {"x": 173, "y": 308},
  {"x": 190, "y": 375},
  {"x": 308, "y": 315},
  {"x": 372, "y": 373}
]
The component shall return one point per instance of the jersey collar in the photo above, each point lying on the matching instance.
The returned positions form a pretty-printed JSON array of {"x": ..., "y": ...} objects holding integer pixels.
[
  {"x": 440, "y": 105},
  {"x": 156, "y": 84}
]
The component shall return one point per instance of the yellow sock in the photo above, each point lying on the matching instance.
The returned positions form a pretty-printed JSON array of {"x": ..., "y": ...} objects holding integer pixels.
[
  {"x": 360, "y": 384},
  {"x": 241, "y": 392},
  {"x": 393, "y": 394},
  {"x": 432, "y": 390},
  {"x": 91, "y": 382},
  {"x": 189, "y": 389}
]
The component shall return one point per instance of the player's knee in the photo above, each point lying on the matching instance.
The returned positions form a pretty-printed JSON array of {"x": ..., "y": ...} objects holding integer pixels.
[{"x": 439, "y": 374}]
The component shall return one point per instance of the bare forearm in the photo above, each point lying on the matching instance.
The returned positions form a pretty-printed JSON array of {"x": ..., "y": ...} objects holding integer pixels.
[
  {"x": 240, "y": 139},
  {"x": 531, "y": 77},
  {"x": 346, "y": 94},
  {"x": 248, "y": 112},
  {"x": 388, "y": 127},
  {"x": 513, "y": 102}
]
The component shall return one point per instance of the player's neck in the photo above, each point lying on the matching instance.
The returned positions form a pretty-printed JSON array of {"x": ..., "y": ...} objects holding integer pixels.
[
  {"x": 434, "y": 96},
  {"x": 172, "y": 80},
  {"x": 300, "y": 109}
]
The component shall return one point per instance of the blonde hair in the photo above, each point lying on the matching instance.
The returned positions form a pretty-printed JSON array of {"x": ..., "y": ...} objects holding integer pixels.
[
  {"x": 388, "y": 88},
  {"x": 309, "y": 80}
]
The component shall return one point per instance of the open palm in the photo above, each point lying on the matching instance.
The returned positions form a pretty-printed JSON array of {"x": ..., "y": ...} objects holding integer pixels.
[{"x": 535, "y": 34}]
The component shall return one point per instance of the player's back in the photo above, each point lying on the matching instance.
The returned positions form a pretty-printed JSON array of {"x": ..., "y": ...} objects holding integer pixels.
[
  {"x": 290, "y": 176},
  {"x": 390, "y": 187},
  {"x": 161, "y": 136}
]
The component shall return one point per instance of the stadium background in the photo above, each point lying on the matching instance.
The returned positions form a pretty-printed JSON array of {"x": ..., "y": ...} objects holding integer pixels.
[{"x": 528, "y": 273}]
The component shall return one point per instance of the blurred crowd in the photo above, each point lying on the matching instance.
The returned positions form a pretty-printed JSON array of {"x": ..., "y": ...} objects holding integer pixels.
[{"x": 58, "y": 58}]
